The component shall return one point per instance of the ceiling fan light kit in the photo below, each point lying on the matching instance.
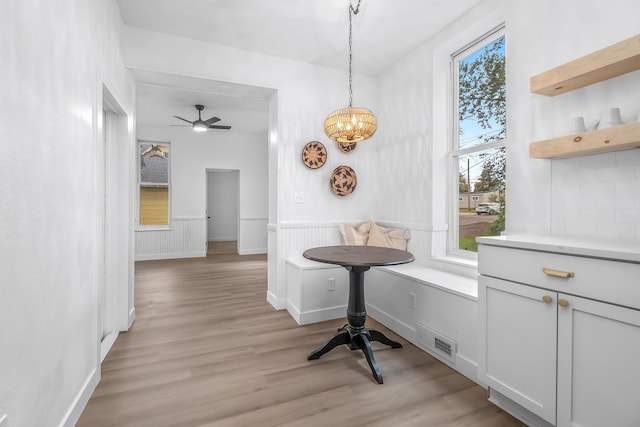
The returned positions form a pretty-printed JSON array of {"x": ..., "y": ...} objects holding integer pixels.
[
  {"x": 352, "y": 124},
  {"x": 200, "y": 125}
]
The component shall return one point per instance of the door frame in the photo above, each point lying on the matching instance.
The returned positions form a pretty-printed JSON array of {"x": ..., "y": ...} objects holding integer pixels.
[
  {"x": 114, "y": 269},
  {"x": 236, "y": 172}
]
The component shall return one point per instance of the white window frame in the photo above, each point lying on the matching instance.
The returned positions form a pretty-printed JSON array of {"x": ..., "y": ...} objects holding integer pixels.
[
  {"x": 454, "y": 151},
  {"x": 152, "y": 227},
  {"x": 445, "y": 191}
]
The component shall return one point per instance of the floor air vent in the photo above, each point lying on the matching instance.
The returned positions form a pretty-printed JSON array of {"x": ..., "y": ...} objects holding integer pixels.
[
  {"x": 444, "y": 346},
  {"x": 436, "y": 343}
]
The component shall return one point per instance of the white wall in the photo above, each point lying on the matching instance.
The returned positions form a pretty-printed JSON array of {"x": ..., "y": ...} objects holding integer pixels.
[
  {"x": 596, "y": 195},
  {"x": 191, "y": 155},
  {"x": 56, "y": 56}
]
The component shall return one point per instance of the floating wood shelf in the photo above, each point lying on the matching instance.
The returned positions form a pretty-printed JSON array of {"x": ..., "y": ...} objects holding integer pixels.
[
  {"x": 615, "y": 138},
  {"x": 612, "y": 61}
]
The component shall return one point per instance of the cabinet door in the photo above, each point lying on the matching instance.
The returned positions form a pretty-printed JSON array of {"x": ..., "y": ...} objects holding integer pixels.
[
  {"x": 598, "y": 364},
  {"x": 518, "y": 331}
]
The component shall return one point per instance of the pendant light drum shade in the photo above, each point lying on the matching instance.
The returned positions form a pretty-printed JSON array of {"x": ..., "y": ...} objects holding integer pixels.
[{"x": 349, "y": 125}]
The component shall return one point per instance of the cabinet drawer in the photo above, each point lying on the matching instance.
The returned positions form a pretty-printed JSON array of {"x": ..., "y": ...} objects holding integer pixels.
[{"x": 604, "y": 280}]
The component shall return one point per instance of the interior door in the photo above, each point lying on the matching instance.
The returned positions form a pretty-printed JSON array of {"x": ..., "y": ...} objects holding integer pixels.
[{"x": 222, "y": 205}]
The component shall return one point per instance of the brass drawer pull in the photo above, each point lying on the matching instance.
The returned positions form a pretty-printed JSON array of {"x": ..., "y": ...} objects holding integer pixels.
[
  {"x": 547, "y": 299},
  {"x": 563, "y": 302},
  {"x": 558, "y": 273}
]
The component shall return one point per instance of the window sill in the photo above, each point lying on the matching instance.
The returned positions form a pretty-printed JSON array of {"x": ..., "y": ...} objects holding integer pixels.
[
  {"x": 459, "y": 261},
  {"x": 460, "y": 266},
  {"x": 154, "y": 228}
]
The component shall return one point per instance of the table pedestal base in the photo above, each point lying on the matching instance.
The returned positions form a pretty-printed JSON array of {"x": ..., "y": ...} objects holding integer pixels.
[{"x": 356, "y": 339}]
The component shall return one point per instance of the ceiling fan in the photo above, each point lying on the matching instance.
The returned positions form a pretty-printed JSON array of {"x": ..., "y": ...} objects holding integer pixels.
[{"x": 202, "y": 125}]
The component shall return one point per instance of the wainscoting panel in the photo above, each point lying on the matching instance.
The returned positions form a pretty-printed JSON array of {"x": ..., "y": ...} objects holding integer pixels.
[
  {"x": 252, "y": 238},
  {"x": 186, "y": 238}
]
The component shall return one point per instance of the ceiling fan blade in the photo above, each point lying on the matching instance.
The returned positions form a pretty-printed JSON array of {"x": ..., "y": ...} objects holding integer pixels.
[
  {"x": 182, "y": 126},
  {"x": 212, "y": 120},
  {"x": 219, "y": 127},
  {"x": 184, "y": 120}
]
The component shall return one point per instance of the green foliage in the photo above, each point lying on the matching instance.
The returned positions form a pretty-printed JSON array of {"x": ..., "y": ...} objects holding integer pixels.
[
  {"x": 463, "y": 185},
  {"x": 482, "y": 92},
  {"x": 498, "y": 226},
  {"x": 493, "y": 175},
  {"x": 482, "y": 89},
  {"x": 468, "y": 244}
]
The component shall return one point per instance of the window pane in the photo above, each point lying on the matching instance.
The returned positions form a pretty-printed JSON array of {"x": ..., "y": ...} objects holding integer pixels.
[
  {"x": 481, "y": 207},
  {"x": 154, "y": 164},
  {"x": 154, "y": 206},
  {"x": 482, "y": 96},
  {"x": 480, "y": 111},
  {"x": 154, "y": 184}
]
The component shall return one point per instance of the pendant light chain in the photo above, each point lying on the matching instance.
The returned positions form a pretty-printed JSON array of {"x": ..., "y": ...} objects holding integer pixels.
[
  {"x": 352, "y": 11},
  {"x": 350, "y": 125}
]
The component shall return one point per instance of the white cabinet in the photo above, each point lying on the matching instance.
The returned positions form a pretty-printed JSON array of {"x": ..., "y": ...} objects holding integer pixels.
[
  {"x": 518, "y": 355},
  {"x": 598, "y": 356},
  {"x": 560, "y": 332}
]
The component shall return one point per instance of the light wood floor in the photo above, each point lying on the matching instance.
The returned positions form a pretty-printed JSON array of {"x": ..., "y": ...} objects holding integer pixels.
[{"x": 207, "y": 349}]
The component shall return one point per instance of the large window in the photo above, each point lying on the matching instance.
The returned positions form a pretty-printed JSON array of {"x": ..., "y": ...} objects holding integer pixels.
[
  {"x": 479, "y": 142},
  {"x": 154, "y": 181}
]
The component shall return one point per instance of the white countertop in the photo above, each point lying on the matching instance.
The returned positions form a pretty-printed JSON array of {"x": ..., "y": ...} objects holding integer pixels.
[{"x": 598, "y": 248}]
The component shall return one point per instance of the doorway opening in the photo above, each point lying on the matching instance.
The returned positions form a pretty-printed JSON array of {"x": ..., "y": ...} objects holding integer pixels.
[{"x": 223, "y": 219}]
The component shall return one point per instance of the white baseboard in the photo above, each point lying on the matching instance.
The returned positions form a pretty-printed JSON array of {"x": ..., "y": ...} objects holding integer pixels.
[
  {"x": 132, "y": 318},
  {"x": 72, "y": 415},
  {"x": 176, "y": 255},
  {"x": 277, "y": 303},
  {"x": 397, "y": 326},
  {"x": 106, "y": 344},
  {"x": 524, "y": 415},
  {"x": 315, "y": 316},
  {"x": 255, "y": 251}
]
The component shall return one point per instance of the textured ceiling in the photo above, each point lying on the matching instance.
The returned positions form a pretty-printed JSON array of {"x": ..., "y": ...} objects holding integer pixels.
[{"x": 313, "y": 31}]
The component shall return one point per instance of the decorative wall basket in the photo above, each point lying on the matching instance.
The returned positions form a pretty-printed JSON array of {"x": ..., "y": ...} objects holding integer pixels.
[
  {"x": 314, "y": 155},
  {"x": 343, "y": 180},
  {"x": 346, "y": 148}
]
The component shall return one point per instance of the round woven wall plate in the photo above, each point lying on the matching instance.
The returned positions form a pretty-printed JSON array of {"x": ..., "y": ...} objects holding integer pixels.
[
  {"x": 346, "y": 148},
  {"x": 314, "y": 155},
  {"x": 343, "y": 180}
]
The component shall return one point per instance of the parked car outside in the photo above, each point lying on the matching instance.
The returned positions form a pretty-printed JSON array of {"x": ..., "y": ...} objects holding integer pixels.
[{"x": 489, "y": 208}]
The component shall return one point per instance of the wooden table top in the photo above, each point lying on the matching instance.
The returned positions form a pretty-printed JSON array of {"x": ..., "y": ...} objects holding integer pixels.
[{"x": 347, "y": 256}]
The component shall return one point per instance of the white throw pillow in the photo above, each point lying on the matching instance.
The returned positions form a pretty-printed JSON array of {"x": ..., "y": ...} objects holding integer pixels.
[
  {"x": 388, "y": 237},
  {"x": 358, "y": 235}
]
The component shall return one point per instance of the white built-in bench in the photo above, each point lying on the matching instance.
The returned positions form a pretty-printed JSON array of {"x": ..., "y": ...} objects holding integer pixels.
[
  {"x": 316, "y": 291},
  {"x": 433, "y": 309}
]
